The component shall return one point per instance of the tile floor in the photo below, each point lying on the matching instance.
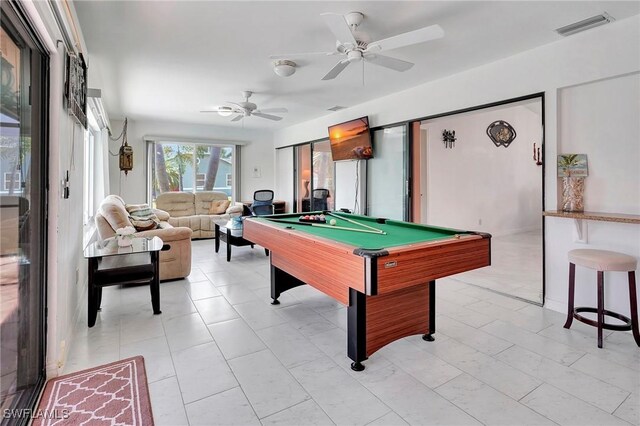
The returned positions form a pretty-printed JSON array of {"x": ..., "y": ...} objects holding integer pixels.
[
  {"x": 220, "y": 354},
  {"x": 516, "y": 266}
]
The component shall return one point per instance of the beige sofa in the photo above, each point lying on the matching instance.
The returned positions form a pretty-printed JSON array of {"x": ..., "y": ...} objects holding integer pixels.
[
  {"x": 192, "y": 210},
  {"x": 174, "y": 262}
]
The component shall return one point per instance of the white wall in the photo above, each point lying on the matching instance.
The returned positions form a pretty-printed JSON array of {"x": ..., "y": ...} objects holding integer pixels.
[
  {"x": 604, "y": 52},
  {"x": 600, "y": 119},
  {"x": 258, "y": 152},
  {"x": 476, "y": 185},
  {"x": 67, "y": 269}
]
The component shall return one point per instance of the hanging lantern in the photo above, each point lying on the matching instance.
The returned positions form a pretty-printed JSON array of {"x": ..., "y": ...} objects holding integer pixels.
[
  {"x": 126, "y": 152},
  {"x": 126, "y": 157}
]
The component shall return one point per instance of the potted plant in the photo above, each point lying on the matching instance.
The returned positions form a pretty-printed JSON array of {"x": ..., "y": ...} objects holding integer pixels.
[{"x": 573, "y": 169}]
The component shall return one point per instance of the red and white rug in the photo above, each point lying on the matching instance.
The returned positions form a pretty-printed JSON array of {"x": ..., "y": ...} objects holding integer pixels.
[{"x": 111, "y": 394}]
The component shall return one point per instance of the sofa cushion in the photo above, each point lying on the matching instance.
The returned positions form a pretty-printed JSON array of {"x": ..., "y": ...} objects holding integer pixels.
[
  {"x": 113, "y": 211},
  {"x": 203, "y": 200},
  {"x": 219, "y": 206},
  {"x": 177, "y": 204}
]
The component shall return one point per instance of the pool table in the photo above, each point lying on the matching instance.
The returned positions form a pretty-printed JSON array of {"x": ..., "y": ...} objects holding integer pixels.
[{"x": 386, "y": 279}]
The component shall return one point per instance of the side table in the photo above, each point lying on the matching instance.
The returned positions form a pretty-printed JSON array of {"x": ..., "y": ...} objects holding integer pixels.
[
  {"x": 232, "y": 237},
  {"x": 110, "y": 264}
]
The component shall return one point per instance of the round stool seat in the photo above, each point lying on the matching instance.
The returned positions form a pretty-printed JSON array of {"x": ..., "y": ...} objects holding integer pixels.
[{"x": 603, "y": 260}]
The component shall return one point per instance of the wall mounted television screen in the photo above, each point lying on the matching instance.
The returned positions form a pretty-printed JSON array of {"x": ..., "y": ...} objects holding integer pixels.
[{"x": 351, "y": 140}]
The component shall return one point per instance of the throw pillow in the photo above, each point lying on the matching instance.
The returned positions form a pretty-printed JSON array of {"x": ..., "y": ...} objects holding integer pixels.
[
  {"x": 143, "y": 225},
  {"x": 219, "y": 206},
  {"x": 142, "y": 217}
]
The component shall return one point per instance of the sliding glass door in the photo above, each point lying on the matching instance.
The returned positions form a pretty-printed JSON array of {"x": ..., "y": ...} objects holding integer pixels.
[
  {"x": 386, "y": 174},
  {"x": 314, "y": 181},
  {"x": 23, "y": 244}
]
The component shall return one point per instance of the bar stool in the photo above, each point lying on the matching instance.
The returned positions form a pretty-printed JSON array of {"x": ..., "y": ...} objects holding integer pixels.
[{"x": 601, "y": 261}]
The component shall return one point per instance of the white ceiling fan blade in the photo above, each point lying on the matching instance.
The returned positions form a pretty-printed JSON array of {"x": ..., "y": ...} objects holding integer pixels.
[
  {"x": 267, "y": 116},
  {"x": 281, "y": 110},
  {"x": 388, "y": 62},
  {"x": 407, "y": 39},
  {"x": 339, "y": 27},
  {"x": 237, "y": 118},
  {"x": 337, "y": 69},
  {"x": 303, "y": 54}
]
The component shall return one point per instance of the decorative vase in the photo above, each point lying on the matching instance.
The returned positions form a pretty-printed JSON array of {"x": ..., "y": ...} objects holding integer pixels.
[
  {"x": 124, "y": 241},
  {"x": 572, "y": 194}
]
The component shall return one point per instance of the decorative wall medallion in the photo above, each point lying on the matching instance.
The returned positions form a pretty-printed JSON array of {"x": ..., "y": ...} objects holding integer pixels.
[{"x": 501, "y": 133}]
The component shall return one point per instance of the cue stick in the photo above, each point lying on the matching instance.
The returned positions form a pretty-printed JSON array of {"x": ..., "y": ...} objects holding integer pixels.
[
  {"x": 379, "y": 231},
  {"x": 322, "y": 225}
]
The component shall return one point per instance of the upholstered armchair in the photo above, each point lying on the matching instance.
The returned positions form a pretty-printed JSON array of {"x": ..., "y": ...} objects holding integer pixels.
[{"x": 175, "y": 262}]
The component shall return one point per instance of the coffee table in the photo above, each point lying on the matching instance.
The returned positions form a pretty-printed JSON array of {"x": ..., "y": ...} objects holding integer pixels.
[
  {"x": 232, "y": 237},
  {"x": 110, "y": 264}
]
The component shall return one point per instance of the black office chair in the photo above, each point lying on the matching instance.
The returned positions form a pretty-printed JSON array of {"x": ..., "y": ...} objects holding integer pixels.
[
  {"x": 262, "y": 202},
  {"x": 320, "y": 196}
]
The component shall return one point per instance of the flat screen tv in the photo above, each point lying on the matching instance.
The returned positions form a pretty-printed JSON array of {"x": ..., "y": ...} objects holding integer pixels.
[{"x": 351, "y": 140}]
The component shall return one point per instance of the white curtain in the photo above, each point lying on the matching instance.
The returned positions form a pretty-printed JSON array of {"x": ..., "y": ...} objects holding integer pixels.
[{"x": 101, "y": 164}]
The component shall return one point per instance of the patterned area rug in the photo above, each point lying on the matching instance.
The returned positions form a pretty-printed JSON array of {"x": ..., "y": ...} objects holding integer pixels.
[{"x": 111, "y": 394}]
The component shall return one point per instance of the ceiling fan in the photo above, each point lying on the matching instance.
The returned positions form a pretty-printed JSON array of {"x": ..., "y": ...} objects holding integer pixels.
[
  {"x": 246, "y": 109},
  {"x": 350, "y": 44}
]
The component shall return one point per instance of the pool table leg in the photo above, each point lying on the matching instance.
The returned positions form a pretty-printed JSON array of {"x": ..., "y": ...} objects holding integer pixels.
[
  {"x": 357, "y": 329},
  {"x": 432, "y": 313},
  {"x": 281, "y": 282}
]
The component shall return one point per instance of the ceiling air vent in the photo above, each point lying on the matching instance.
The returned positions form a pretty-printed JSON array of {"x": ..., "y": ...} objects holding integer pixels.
[
  {"x": 585, "y": 24},
  {"x": 336, "y": 108}
]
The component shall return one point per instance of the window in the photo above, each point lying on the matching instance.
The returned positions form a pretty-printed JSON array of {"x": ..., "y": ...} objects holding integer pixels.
[
  {"x": 12, "y": 177},
  {"x": 200, "y": 179},
  {"x": 190, "y": 167}
]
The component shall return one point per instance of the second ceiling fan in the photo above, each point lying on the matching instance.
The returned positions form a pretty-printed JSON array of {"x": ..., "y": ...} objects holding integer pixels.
[
  {"x": 246, "y": 109},
  {"x": 344, "y": 29}
]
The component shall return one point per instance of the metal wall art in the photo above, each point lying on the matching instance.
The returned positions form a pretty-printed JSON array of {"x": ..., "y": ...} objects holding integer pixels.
[
  {"x": 501, "y": 133},
  {"x": 449, "y": 138},
  {"x": 76, "y": 88}
]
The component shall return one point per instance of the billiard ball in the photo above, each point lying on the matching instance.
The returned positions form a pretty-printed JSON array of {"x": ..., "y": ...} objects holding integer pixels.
[{"x": 333, "y": 222}]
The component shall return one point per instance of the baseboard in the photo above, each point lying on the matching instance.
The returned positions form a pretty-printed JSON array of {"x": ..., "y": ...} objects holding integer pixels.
[{"x": 555, "y": 305}]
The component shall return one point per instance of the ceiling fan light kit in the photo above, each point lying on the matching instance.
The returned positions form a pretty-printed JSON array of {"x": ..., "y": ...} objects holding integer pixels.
[
  {"x": 225, "y": 111},
  {"x": 246, "y": 109},
  {"x": 354, "y": 45},
  {"x": 284, "y": 68}
]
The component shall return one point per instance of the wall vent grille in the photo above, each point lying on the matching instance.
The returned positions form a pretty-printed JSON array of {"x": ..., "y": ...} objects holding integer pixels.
[
  {"x": 336, "y": 108},
  {"x": 585, "y": 24}
]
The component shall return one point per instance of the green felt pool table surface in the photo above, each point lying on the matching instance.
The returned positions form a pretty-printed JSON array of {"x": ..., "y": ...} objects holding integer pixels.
[{"x": 398, "y": 233}]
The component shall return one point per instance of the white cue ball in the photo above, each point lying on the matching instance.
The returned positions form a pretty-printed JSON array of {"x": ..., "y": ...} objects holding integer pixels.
[{"x": 333, "y": 222}]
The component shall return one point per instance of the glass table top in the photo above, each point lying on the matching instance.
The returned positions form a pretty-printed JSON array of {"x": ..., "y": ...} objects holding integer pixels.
[{"x": 109, "y": 247}]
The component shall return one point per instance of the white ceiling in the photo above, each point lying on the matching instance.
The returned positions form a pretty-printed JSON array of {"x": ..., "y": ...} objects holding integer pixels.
[{"x": 167, "y": 60}]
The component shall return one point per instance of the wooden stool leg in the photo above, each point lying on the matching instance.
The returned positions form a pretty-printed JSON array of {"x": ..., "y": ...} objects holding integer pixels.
[
  {"x": 600, "y": 306},
  {"x": 572, "y": 286},
  {"x": 634, "y": 307}
]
